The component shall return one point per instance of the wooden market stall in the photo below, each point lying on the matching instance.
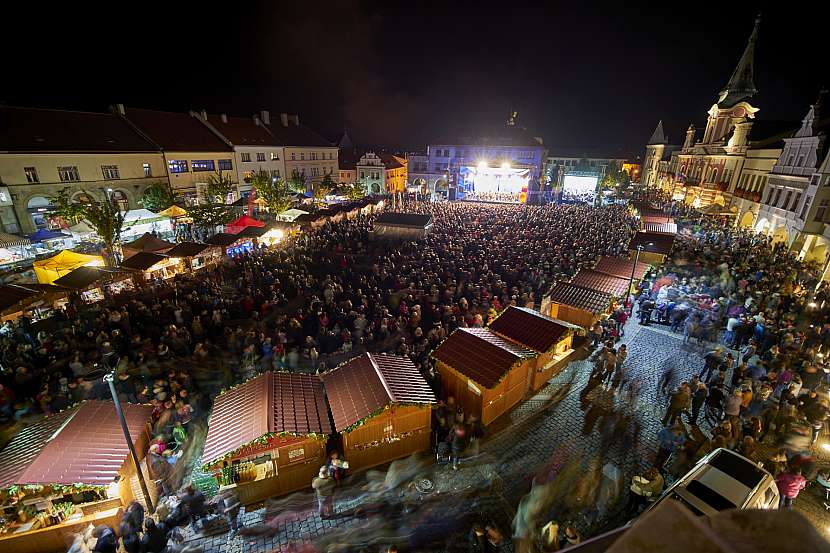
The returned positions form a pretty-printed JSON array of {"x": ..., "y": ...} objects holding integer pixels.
[
  {"x": 15, "y": 299},
  {"x": 230, "y": 243},
  {"x": 237, "y": 226},
  {"x": 485, "y": 373},
  {"x": 595, "y": 280},
  {"x": 267, "y": 436},
  {"x": 551, "y": 340},
  {"x": 67, "y": 471},
  {"x": 92, "y": 282},
  {"x": 655, "y": 246},
  {"x": 382, "y": 408},
  {"x": 622, "y": 267},
  {"x": 194, "y": 255},
  {"x": 402, "y": 226},
  {"x": 151, "y": 265},
  {"x": 576, "y": 304},
  {"x": 145, "y": 243}
]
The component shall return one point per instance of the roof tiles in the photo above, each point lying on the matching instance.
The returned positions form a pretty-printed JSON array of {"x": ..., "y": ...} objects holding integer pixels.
[
  {"x": 371, "y": 381},
  {"x": 652, "y": 242},
  {"x": 84, "y": 444},
  {"x": 621, "y": 267},
  {"x": 529, "y": 328},
  {"x": 271, "y": 402},
  {"x": 580, "y": 297},
  {"x": 481, "y": 355},
  {"x": 595, "y": 280}
]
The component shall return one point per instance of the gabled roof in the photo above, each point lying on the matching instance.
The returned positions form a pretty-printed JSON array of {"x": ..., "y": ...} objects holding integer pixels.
[
  {"x": 480, "y": 354},
  {"x": 242, "y": 131},
  {"x": 658, "y": 136},
  {"x": 147, "y": 243},
  {"x": 652, "y": 242},
  {"x": 580, "y": 297},
  {"x": 297, "y": 135},
  {"x": 610, "y": 284},
  {"x": 176, "y": 132},
  {"x": 83, "y": 277},
  {"x": 529, "y": 328},
  {"x": 52, "y": 130},
  {"x": 142, "y": 261},
  {"x": 187, "y": 249},
  {"x": 391, "y": 161},
  {"x": 409, "y": 220},
  {"x": 12, "y": 294},
  {"x": 222, "y": 239},
  {"x": 496, "y": 135},
  {"x": 272, "y": 402},
  {"x": 371, "y": 381},
  {"x": 82, "y": 445},
  {"x": 621, "y": 267}
]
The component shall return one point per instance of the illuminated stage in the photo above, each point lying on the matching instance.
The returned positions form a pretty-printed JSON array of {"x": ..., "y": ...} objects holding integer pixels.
[{"x": 503, "y": 184}]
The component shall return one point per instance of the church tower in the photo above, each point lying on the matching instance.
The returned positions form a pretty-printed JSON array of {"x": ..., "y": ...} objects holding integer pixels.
[
  {"x": 733, "y": 108},
  {"x": 655, "y": 148}
]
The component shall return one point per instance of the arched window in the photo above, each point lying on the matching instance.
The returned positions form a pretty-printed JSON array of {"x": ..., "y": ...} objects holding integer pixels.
[{"x": 120, "y": 198}]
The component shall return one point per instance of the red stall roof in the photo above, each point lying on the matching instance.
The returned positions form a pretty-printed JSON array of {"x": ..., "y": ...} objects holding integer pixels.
[
  {"x": 529, "y": 328},
  {"x": 580, "y": 297},
  {"x": 621, "y": 267},
  {"x": 371, "y": 381},
  {"x": 242, "y": 223},
  {"x": 270, "y": 402},
  {"x": 82, "y": 445},
  {"x": 480, "y": 354},
  {"x": 603, "y": 282}
]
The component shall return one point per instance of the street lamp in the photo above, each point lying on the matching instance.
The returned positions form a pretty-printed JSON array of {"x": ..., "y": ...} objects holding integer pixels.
[
  {"x": 109, "y": 378},
  {"x": 640, "y": 247}
]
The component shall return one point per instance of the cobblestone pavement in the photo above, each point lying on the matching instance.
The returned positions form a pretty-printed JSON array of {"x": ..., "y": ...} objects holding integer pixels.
[{"x": 545, "y": 430}]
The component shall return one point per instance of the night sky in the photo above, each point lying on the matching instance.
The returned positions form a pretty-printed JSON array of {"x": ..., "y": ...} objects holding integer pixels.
[{"x": 404, "y": 73}]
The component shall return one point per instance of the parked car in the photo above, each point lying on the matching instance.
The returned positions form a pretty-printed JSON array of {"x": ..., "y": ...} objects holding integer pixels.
[{"x": 723, "y": 480}]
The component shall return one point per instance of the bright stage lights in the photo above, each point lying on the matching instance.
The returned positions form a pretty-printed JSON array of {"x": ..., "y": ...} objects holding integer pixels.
[
  {"x": 505, "y": 165},
  {"x": 482, "y": 165}
]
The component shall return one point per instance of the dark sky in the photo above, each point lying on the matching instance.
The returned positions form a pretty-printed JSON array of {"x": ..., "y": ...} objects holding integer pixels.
[{"x": 402, "y": 73}]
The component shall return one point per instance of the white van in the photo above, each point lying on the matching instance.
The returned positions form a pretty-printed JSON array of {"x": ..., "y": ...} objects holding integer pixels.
[{"x": 723, "y": 480}]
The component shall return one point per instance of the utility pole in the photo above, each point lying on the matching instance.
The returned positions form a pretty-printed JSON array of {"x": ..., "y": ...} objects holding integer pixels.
[
  {"x": 110, "y": 379},
  {"x": 640, "y": 248}
]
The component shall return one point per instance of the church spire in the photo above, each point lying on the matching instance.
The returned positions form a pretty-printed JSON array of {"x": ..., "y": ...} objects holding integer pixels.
[
  {"x": 741, "y": 85},
  {"x": 658, "y": 136}
]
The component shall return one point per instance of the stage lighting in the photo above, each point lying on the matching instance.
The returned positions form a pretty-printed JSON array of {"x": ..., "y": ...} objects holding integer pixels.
[
  {"x": 482, "y": 165},
  {"x": 505, "y": 165}
]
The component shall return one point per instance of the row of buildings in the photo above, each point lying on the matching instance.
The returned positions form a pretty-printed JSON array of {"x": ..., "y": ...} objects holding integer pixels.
[
  {"x": 772, "y": 176},
  {"x": 122, "y": 152}
]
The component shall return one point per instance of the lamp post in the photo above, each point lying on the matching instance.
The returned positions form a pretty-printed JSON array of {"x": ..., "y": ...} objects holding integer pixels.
[
  {"x": 640, "y": 247},
  {"x": 109, "y": 378}
]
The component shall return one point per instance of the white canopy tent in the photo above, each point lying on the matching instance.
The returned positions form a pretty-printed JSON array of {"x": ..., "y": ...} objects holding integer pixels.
[
  {"x": 291, "y": 215},
  {"x": 140, "y": 221}
]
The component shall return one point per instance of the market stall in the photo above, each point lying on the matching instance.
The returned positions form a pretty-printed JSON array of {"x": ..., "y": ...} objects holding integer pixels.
[
  {"x": 549, "y": 338},
  {"x": 595, "y": 280},
  {"x": 93, "y": 283},
  {"x": 267, "y": 436},
  {"x": 576, "y": 304},
  {"x": 13, "y": 248},
  {"x": 621, "y": 267},
  {"x": 151, "y": 265},
  {"x": 49, "y": 270},
  {"x": 140, "y": 221},
  {"x": 290, "y": 215},
  {"x": 402, "y": 226},
  {"x": 485, "y": 373},
  {"x": 145, "y": 243},
  {"x": 67, "y": 471},
  {"x": 235, "y": 227},
  {"x": 381, "y": 406},
  {"x": 655, "y": 246},
  {"x": 38, "y": 300},
  {"x": 231, "y": 244},
  {"x": 195, "y": 256}
]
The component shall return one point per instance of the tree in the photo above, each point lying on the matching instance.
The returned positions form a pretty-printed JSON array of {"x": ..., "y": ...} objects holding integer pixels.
[
  {"x": 158, "y": 196},
  {"x": 297, "y": 182},
  {"x": 273, "y": 191},
  {"x": 356, "y": 191},
  {"x": 102, "y": 216},
  {"x": 208, "y": 216},
  {"x": 323, "y": 188},
  {"x": 219, "y": 187}
]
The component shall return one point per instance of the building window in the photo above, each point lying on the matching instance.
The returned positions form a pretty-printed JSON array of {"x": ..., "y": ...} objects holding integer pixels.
[
  {"x": 226, "y": 165},
  {"x": 331, "y": 155},
  {"x": 790, "y": 161},
  {"x": 313, "y": 156},
  {"x": 777, "y": 196},
  {"x": 245, "y": 157},
  {"x": 275, "y": 173},
  {"x": 177, "y": 165},
  {"x": 260, "y": 156},
  {"x": 822, "y": 208},
  {"x": 795, "y": 202},
  {"x": 806, "y": 207},
  {"x": 31, "y": 175},
  {"x": 69, "y": 173},
  {"x": 362, "y": 175},
  {"x": 787, "y": 199},
  {"x": 275, "y": 156},
  {"x": 800, "y": 161},
  {"x": 148, "y": 171},
  {"x": 120, "y": 198},
  {"x": 302, "y": 157},
  {"x": 293, "y": 156},
  {"x": 110, "y": 172},
  {"x": 199, "y": 165}
]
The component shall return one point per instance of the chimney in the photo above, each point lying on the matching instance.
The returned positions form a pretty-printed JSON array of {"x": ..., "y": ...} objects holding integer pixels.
[
  {"x": 284, "y": 119},
  {"x": 295, "y": 119},
  {"x": 223, "y": 117},
  {"x": 256, "y": 120},
  {"x": 203, "y": 113},
  {"x": 265, "y": 116},
  {"x": 120, "y": 109}
]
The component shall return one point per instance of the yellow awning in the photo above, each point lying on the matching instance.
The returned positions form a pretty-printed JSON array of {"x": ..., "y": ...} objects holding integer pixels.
[
  {"x": 49, "y": 270},
  {"x": 173, "y": 211}
]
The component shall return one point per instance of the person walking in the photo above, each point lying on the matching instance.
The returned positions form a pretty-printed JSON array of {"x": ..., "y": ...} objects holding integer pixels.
[
  {"x": 323, "y": 487},
  {"x": 698, "y": 399},
  {"x": 458, "y": 443},
  {"x": 230, "y": 507},
  {"x": 732, "y": 407},
  {"x": 790, "y": 483},
  {"x": 681, "y": 400},
  {"x": 669, "y": 438}
]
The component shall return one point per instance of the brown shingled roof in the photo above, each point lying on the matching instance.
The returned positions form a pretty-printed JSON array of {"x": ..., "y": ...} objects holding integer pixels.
[
  {"x": 82, "y": 445},
  {"x": 142, "y": 261},
  {"x": 480, "y": 354},
  {"x": 580, "y": 297},
  {"x": 603, "y": 282},
  {"x": 528, "y": 328},
  {"x": 271, "y": 402},
  {"x": 176, "y": 132},
  {"x": 371, "y": 381},
  {"x": 653, "y": 242},
  {"x": 621, "y": 267}
]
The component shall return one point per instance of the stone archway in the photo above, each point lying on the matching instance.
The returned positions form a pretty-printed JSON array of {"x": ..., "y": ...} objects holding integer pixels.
[
  {"x": 781, "y": 235},
  {"x": 40, "y": 210},
  {"x": 746, "y": 220},
  {"x": 762, "y": 226},
  {"x": 421, "y": 184}
]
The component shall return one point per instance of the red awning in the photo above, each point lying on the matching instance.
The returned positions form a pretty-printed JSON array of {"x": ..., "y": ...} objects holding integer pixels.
[{"x": 242, "y": 223}]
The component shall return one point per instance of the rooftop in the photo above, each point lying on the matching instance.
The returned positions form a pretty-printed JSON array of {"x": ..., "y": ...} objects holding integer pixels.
[
  {"x": 481, "y": 355},
  {"x": 580, "y": 297},
  {"x": 653, "y": 242},
  {"x": 411, "y": 220},
  {"x": 142, "y": 261},
  {"x": 187, "y": 249},
  {"x": 595, "y": 280},
  {"x": 621, "y": 267},
  {"x": 242, "y": 131},
  {"x": 529, "y": 328},
  {"x": 176, "y": 132}
]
